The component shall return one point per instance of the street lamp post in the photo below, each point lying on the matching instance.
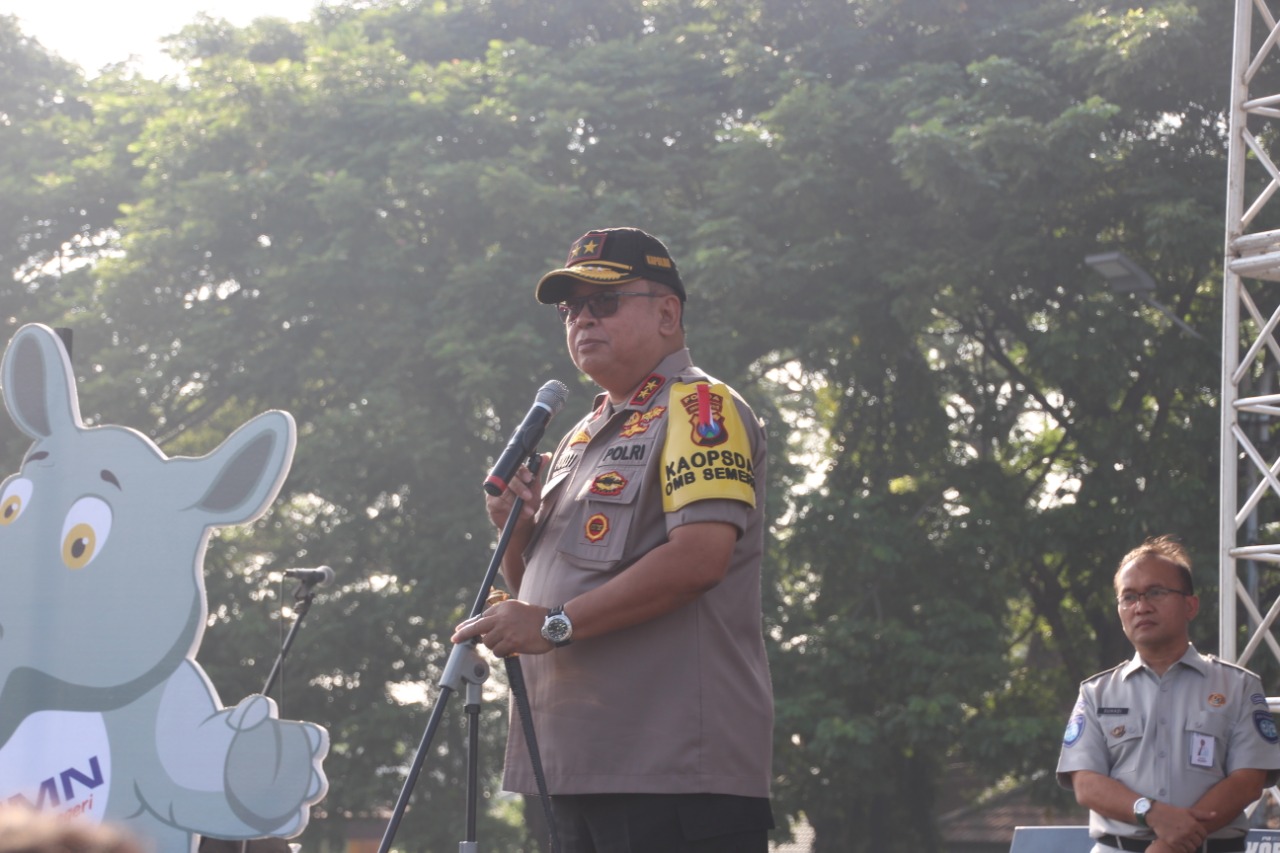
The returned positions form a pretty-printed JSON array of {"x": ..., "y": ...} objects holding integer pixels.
[{"x": 1125, "y": 276}]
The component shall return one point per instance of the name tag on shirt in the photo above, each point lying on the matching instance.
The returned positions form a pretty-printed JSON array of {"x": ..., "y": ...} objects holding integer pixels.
[{"x": 1201, "y": 749}]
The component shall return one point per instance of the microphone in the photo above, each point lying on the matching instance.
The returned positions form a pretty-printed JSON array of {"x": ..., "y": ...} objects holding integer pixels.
[
  {"x": 524, "y": 440},
  {"x": 311, "y": 577}
]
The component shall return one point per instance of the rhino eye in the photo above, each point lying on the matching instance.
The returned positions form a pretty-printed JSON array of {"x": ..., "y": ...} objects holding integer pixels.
[
  {"x": 14, "y": 499},
  {"x": 85, "y": 531}
]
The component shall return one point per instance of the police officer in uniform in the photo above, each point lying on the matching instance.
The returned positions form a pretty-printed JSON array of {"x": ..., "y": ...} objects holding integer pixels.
[
  {"x": 636, "y": 570},
  {"x": 1168, "y": 749}
]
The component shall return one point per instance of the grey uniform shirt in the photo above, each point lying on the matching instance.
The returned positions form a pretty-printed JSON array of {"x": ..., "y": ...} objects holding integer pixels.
[{"x": 1170, "y": 738}]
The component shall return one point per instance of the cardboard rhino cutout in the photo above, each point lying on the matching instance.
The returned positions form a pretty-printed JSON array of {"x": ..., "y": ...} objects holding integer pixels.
[{"x": 104, "y": 712}]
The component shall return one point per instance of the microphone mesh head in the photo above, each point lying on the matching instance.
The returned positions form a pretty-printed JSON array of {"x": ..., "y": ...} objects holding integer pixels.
[{"x": 553, "y": 395}]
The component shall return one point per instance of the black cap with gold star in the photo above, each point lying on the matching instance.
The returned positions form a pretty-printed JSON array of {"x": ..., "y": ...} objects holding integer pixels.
[{"x": 612, "y": 256}]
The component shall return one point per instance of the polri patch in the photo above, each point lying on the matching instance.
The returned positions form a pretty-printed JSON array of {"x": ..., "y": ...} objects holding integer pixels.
[{"x": 626, "y": 452}]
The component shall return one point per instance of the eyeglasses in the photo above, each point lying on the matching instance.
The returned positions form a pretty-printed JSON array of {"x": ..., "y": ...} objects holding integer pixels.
[
  {"x": 1154, "y": 596},
  {"x": 602, "y": 304}
]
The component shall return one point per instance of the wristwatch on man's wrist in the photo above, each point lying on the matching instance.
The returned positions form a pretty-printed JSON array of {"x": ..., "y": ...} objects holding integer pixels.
[
  {"x": 557, "y": 628},
  {"x": 1141, "y": 808}
]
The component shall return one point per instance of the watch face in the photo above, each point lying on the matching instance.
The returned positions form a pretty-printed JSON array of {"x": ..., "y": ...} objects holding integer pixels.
[{"x": 556, "y": 629}]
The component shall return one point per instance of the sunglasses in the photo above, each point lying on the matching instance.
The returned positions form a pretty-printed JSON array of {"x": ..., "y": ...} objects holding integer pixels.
[{"x": 602, "y": 304}]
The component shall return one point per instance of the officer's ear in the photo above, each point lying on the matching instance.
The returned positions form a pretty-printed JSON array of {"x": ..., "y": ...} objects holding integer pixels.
[{"x": 670, "y": 310}]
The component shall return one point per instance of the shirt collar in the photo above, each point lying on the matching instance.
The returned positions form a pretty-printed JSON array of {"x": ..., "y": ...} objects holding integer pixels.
[
  {"x": 675, "y": 363},
  {"x": 1189, "y": 658}
]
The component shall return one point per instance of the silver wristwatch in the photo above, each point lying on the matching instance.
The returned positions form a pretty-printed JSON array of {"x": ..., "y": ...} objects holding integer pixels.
[
  {"x": 1141, "y": 807},
  {"x": 557, "y": 628}
]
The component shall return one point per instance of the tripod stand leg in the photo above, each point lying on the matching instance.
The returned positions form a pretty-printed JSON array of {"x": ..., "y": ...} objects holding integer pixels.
[
  {"x": 465, "y": 666},
  {"x": 515, "y": 676},
  {"x": 407, "y": 789},
  {"x": 473, "y": 760}
]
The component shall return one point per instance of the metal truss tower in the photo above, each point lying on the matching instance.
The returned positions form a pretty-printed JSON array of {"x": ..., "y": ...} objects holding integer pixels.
[{"x": 1249, "y": 519}]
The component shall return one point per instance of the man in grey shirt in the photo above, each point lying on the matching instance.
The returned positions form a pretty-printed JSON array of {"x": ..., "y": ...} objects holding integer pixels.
[{"x": 1167, "y": 749}]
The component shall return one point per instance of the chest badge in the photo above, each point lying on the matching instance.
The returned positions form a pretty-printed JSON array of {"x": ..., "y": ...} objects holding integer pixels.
[
  {"x": 609, "y": 485},
  {"x": 1217, "y": 700},
  {"x": 1118, "y": 731},
  {"x": 638, "y": 423},
  {"x": 597, "y": 527}
]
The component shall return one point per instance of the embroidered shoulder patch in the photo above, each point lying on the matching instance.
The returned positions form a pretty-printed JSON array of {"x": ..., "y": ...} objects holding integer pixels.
[
  {"x": 1266, "y": 726},
  {"x": 1075, "y": 728}
]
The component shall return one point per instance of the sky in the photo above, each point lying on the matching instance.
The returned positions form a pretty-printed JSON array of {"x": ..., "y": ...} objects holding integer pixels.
[{"x": 94, "y": 33}]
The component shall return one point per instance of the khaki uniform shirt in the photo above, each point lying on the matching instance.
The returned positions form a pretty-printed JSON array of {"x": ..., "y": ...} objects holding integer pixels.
[
  {"x": 1170, "y": 738},
  {"x": 679, "y": 704}
]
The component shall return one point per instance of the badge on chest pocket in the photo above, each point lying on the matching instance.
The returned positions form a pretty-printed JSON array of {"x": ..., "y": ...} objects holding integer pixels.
[
  {"x": 1201, "y": 751},
  {"x": 1204, "y": 732}
]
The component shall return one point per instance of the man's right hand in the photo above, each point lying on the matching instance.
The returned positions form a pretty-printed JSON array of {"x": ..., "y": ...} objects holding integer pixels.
[
  {"x": 524, "y": 485},
  {"x": 1183, "y": 830}
]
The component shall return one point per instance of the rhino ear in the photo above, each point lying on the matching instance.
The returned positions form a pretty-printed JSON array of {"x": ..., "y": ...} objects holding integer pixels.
[
  {"x": 39, "y": 385},
  {"x": 246, "y": 471}
]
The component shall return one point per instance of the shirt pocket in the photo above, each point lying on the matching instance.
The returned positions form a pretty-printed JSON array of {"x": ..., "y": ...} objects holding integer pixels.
[
  {"x": 1206, "y": 742},
  {"x": 605, "y": 508},
  {"x": 1123, "y": 734}
]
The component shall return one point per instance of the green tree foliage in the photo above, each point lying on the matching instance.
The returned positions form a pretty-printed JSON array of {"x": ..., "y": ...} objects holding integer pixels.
[
  {"x": 997, "y": 428},
  {"x": 881, "y": 208}
]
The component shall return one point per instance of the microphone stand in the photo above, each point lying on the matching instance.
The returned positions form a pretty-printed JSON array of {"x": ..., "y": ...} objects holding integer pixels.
[
  {"x": 466, "y": 665},
  {"x": 303, "y": 595}
]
